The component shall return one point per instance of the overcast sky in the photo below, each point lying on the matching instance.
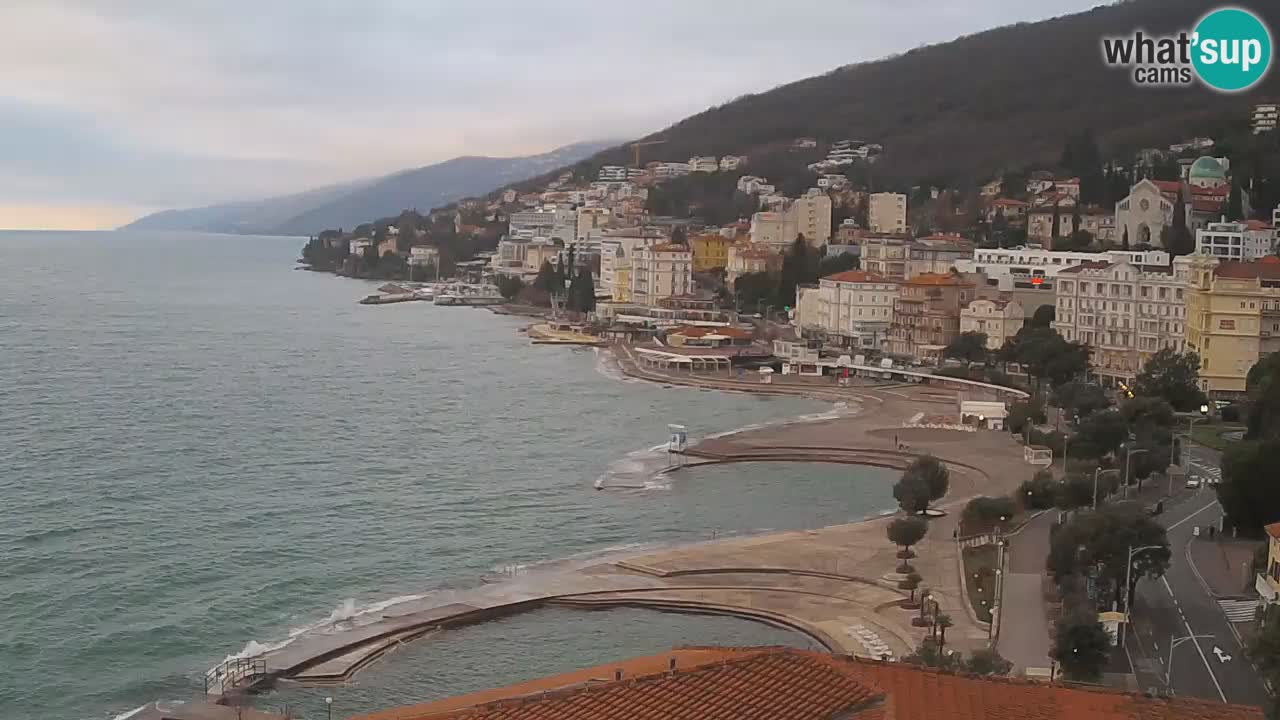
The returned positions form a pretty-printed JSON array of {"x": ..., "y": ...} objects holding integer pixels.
[{"x": 113, "y": 108}]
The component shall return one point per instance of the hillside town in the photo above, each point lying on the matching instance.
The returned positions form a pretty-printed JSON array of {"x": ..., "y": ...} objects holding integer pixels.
[{"x": 1093, "y": 307}]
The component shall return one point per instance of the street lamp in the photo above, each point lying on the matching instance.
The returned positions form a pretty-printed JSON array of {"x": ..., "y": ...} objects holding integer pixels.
[
  {"x": 1129, "y": 453},
  {"x": 1173, "y": 643},
  {"x": 1096, "y": 472},
  {"x": 1128, "y": 575},
  {"x": 328, "y": 704}
]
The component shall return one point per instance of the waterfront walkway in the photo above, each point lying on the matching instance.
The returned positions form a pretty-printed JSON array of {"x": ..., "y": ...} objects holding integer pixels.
[{"x": 824, "y": 583}]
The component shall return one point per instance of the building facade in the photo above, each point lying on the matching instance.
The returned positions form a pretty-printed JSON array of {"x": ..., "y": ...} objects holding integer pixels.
[
  {"x": 926, "y": 315},
  {"x": 1233, "y": 319},
  {"x": 887, "y": 212},
  {"x": 660, "y": 271},
  {"x": 710, "y": 251},
  {"x": 616, "y": 250},
  {"x": 937, "y": 254},
  {"x": 1037, "y": 269},
  {"x": 998, "y": 319},
  {"x": 1264, "y": 117},
  {"x": 746, "y": 258},
  {"x": 1236, "y": 240},
  {"x": 1125, "y": 313},
  {"x": 1145, "y": 212},
  {"x": 854, "y": 308},
  {"x": 886, "y": 255}
]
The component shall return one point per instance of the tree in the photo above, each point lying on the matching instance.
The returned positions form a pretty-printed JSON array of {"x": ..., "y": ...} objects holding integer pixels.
[
  {"x": 547, "y": 278},
  {"x": 679, "y": 236},
  {"x": 929, "y": 654},
  {"x": 911, "y": 582},
  {"x": 509, "y": 286},
  {"x": 1055, "y": 232},
  {"x": 755, "y": 289},
  {"x": 1044, "y": 316},
  {"x": 1074, "y": 492},
  {"x": 1100, "y": 433},
  {"x": 983, "y": 513},
  {"x": 968, "y": 346},
  {"x": 837, "y": 263},
  {"x": 1263, "y": 384},
  {"x": 941, "y": 623},
  {"x": 1249, "y": 493},
  {"x": 1235, "y": 204},
  {"x": 906, "y": 532},
  {"x": 912, "y": 493},
  {"x": 1179, "y": 240},
  {"x": 1173, "y": 377},
  {"x": 933, "y": 473},
  {"x": 1124, "y": 239},
  {"x": 987, "y": 662},
  {"x": 1101, "y": 539},
  {"x": 1081, "y": 646},
  {"x": 1080, "y": 398},
  {"x": 1040, "y": 492},
  {"x": 799, "y": 266},
  {"x": 1264, "y": 648}
]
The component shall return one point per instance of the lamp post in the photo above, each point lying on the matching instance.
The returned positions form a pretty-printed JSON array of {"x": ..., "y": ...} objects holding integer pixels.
[
  {"x": 1065, "y": 440},
  {"x": 1128, "y": 456},
  {"x": 1128, "y": 579},
  {"x": 1173, "y": 643},
  {"x": 328, "y": 705},
  {"x": 1096, "y": 472}
]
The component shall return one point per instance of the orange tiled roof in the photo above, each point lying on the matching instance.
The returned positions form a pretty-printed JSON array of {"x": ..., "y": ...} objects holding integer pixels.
[
  {"x": 788, "y": 684},
  {"x": 1267, "y": 269},
  {"x": 1008, "y": 202},
  {"x": 1273, "y": 530},
  {"x": 856, "y": 276},
  {"x": 1168, "y": 186}
]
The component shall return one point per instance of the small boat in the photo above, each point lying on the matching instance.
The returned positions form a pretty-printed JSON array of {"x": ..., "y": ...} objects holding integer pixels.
[{"x": 445, "y": 299}]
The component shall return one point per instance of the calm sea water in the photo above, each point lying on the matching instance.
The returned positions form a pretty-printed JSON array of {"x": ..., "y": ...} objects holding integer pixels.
[{"x": 204, "y": 448}]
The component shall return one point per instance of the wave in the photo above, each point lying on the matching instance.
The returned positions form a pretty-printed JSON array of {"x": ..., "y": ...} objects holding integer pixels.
[
  {"x": 131, "y": 713},
  {"x": 607, "y": 366}
]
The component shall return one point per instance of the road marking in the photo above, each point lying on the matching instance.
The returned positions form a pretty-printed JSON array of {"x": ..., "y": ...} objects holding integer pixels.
[
  {"x": 1208, "y": 668},
  {"x": 1239, "y": 610},
  {"x": 1222, "y": 657},
  {"x": 1185, "y": 519}
]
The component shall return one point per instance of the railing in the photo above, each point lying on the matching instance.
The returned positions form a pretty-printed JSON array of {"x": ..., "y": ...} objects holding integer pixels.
[{"x": 233, "y": 674}]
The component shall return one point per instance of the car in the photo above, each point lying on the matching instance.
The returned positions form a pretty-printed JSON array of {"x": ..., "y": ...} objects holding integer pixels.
[{"x": 1193, "y": 483}]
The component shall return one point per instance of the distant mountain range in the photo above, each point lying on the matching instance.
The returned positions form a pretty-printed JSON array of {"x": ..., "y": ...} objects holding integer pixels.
[{"x": 349, "y": 204}]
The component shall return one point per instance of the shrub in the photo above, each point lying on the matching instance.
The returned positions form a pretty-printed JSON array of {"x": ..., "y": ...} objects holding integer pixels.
[
  {"x": 1230, "y": 413},
  {"x": 983, "y": 513},
  {"x": 1040, "y": 492}
]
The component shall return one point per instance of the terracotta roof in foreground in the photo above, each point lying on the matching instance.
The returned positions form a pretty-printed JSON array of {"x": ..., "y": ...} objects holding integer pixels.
[
  {"x": 1273, "y": 530},
  {"x": 788, "y": 684},
  {"x": 1268, "y": 268}
]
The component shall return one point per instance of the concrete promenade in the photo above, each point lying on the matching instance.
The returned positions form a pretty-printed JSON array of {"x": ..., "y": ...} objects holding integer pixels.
[{"x": 820, "y": 582}]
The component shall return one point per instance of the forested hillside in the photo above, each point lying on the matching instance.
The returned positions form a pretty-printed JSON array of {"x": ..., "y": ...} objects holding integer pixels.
[{"x": 965, "y": 110}]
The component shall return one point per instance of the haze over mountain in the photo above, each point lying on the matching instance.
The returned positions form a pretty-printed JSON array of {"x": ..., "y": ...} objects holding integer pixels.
[{"x": 349, "y": 204}]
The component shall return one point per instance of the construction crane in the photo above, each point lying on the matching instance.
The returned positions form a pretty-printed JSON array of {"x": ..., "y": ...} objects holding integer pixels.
[{"x": 637, "y": 145}]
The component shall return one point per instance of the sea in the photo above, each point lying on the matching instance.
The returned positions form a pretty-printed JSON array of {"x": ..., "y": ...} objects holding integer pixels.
[{"x": 208, "y": 452}]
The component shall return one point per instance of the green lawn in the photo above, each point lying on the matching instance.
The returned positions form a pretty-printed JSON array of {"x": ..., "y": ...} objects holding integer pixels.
[
  {"x": 980, "y": 578},
  {"x": 1211, "y": 435}
]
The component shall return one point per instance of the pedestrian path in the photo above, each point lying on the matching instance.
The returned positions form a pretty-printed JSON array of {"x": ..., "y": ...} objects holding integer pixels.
[
  {"x": 1239, "y": 610},
  {"x": 1212, "y": 473}
]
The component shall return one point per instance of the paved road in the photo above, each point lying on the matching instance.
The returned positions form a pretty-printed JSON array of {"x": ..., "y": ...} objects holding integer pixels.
[
  {"x": 1178, "y": 605},
  {"x": 1024, "y": 626}
]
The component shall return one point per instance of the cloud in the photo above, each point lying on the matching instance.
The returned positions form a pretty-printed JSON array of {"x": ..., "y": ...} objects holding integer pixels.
[{"x": 149, "y": 103}]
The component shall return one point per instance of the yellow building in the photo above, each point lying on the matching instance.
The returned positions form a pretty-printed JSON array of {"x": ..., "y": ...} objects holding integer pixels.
[
  {"x": 1233, "y": 319},
  {"x": 621, "y": 289},
  {"x": 1267, "y": 583},
  {"x": 710, "y": 251}
]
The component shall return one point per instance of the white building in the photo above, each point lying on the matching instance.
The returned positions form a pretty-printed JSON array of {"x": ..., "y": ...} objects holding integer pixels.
[
  {"x": 833, "y": 182},
  {"x": 1146, "y": 211},
  {"x": 613, "y": 173},
  {"x": 853, "y": 307},
  {"x": 703, "y": 164},
  {"x": 590, "y": 226},
  {"x": 661, "y": 271},
  {"x": 999, "y": 320},
  {"x": 359, "y": 246},
  {"x": 732, "y": 162},
  {"x": 1124, "y": 312},
  {"x": 423, "y": 255},
  {"x": 1264, "y": 117},
  {"x": 887, "y": 213},
  {"x": 554, "y": 223},
  {"x": 509, "y": 196},
  {"x": 809, "y": 216},
  {"x": 1236, "y": 240},
  {"x": 1022, "y": 268},
  {"x": 616, "y": 250},
  {"x": 667, "y": 170}
]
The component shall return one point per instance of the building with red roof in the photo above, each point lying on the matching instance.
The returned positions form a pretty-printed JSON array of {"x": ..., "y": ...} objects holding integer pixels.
[{"x": 771, "y": 683}]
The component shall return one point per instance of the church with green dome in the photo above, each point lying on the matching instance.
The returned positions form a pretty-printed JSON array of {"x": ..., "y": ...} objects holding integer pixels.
[{"x": 1207, "y": 172}]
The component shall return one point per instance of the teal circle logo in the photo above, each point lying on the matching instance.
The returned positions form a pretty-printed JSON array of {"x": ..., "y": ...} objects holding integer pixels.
[{"x": 1231, "y": 49}]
